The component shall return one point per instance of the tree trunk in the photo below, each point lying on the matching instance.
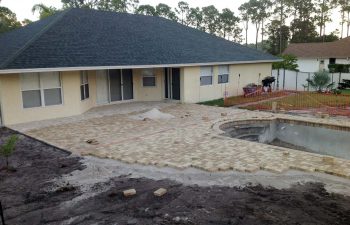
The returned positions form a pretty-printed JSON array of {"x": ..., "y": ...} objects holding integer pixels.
[
  {"x": 246, "y": 33},
  {"x": 262, "y": 33},
  {"x": 257, "y": 36},
  {"x": 347, "y": 31},
  {"x": 322, "y": 15},
  {"x": 342, "y": 24},
  {"x": 324, "y": 32},
  {"x": 7, "y": 163},
  {"x": 281, "y": 27}
]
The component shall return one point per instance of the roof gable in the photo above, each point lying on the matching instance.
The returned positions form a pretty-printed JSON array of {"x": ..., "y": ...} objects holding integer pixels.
[{"x": 81, "y": 37}]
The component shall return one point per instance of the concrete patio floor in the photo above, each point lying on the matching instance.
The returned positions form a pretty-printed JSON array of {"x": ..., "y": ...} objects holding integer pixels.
[{"x": 188, "y": 140}]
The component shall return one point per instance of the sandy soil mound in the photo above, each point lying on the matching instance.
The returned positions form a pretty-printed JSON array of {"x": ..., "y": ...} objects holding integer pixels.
[{"x": 153, "y": 114}]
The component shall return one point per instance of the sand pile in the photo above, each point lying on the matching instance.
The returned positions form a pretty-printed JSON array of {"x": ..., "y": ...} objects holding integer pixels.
[{"x": 153, "y": 114}]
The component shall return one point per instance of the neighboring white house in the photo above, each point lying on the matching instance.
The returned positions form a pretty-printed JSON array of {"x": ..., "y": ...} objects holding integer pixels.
[{"x": 313, "y": 57}]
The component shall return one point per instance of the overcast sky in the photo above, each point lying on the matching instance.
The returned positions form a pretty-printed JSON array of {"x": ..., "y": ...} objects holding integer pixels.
[{"x": 22, "y": 8}]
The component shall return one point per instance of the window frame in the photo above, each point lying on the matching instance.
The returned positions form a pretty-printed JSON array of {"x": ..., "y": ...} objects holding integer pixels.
[
  {"x": 211, "y": 76},
  {"x": 224, "y": 74},
  {"x": 85, "y": 86},
  {"x": 149, "y": 76},
  {"x": 41, "y": 90}
]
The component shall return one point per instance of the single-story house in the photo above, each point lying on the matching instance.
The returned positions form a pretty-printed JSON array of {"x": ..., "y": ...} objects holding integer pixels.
[
  {"x": 79, "y": 58},
  {"x": 313, "y": 57}
]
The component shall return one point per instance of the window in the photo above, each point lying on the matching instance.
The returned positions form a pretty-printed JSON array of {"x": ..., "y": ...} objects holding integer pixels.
[
  {"x": 41, "y": 89},
  {"x": 84, "y": 85},
  {"x": 223, "y": 74},
  {"x": 148, "y": 78},
  {"x": 206, "y": 76},
  {"x": 332, "y": 61}
]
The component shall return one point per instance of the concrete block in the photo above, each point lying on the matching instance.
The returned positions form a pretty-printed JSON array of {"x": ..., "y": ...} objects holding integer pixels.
[
  {"x": 129, "y": 192},
  {"x": 328, "y": 160},
  {"x": 274, "y": 106},
  {"x": 160, "y": 192}
]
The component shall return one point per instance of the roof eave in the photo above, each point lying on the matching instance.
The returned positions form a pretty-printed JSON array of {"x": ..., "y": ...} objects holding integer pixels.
[{"x": 32, "y": 70}]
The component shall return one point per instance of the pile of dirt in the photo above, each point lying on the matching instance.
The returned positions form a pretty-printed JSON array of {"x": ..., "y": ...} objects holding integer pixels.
[
  {"x": 30, "y": 196},
  {"x": 153, "y": 114}
]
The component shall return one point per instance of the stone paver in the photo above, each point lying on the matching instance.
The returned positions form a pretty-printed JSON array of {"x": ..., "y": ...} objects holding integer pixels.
[{"x": 189, "y": 140}]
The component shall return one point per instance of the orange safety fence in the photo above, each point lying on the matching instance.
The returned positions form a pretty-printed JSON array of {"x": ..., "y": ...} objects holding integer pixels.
[
  {"x": 333, "y": 104},
  {"x": 259, "y": 96}
]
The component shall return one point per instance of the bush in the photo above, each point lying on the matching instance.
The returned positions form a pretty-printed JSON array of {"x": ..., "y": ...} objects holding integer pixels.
[
  {"x": 7, "y": 149},
  {"x": 320, "y": 80},
  {"x": 336, "y": 91},
  {"x": 339, "y": 68}
]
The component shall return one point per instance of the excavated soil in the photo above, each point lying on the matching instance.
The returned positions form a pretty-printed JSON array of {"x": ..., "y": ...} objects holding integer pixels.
[{"x": 30, "y": 196}]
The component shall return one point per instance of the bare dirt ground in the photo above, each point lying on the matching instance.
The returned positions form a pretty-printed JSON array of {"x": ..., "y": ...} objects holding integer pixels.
[{"x": 30, "y": 196}]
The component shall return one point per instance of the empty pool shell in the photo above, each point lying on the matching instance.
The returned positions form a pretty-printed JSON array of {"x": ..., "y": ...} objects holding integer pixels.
[{"x": 300, "y": 135}]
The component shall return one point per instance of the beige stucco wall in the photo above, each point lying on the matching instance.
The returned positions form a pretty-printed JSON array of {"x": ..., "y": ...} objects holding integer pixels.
[
  {"x": 191, "y": 91},
  {"x": 240, "y": 75},
  {"x": 148, "y": 93},
  {"x": 12, "y": 106}
]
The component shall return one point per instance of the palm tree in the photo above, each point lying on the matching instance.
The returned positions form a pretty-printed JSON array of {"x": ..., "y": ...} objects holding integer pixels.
[{"x": 44, "y": 10}]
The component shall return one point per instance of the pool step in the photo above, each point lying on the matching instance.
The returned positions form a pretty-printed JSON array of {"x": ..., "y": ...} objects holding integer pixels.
[
  {"x": 242, "y": 131},
  {"x": 249, "y": 137}
]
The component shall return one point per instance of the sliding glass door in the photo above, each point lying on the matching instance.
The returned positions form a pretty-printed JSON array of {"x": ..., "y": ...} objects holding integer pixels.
[{"x": 114, "y": 86}]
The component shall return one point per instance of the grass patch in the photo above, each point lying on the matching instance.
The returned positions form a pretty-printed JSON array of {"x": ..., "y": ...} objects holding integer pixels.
[
  {"x": 345, "y": 92},
  {"x": 304, "y": 101},
  {"x": 217, "y": 102}
]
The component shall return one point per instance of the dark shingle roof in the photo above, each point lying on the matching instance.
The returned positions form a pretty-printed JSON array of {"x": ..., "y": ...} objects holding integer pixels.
[{"x": 81, "y": 37}]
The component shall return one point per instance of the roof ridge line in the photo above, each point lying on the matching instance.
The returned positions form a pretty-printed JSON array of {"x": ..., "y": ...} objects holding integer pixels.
[{"x": 33, "y": 39}]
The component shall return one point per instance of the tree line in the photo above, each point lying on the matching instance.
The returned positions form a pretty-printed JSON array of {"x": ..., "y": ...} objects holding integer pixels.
[{"x": 276, "y": 22}]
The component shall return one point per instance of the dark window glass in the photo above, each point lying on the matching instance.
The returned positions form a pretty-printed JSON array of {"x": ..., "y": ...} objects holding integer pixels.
[
  {"x": 31, "y": 98},
  {"x": 87, "y": 91},
  {"x": 223, "y": 78},
  {"x": 53, "y": 96},
  {"x": 82, "y": 93},
  {"x": 206, "y": 80},
  {"x": 149, "y": 81},
  {"x": 332, "y": 61}
]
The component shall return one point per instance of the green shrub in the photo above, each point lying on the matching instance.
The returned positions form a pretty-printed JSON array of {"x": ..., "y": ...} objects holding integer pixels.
[
  {"x": 8, "y": 147},
  {"x": 339, "y": 68},
  {"x": 320, "y": 80},
  {"x": 336, "y": 91}
]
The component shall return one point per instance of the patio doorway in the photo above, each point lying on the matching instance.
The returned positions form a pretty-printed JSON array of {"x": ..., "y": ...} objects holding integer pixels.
[
  {"x": 172, "y": 83},
  {"x": 114, "y": 86}
]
